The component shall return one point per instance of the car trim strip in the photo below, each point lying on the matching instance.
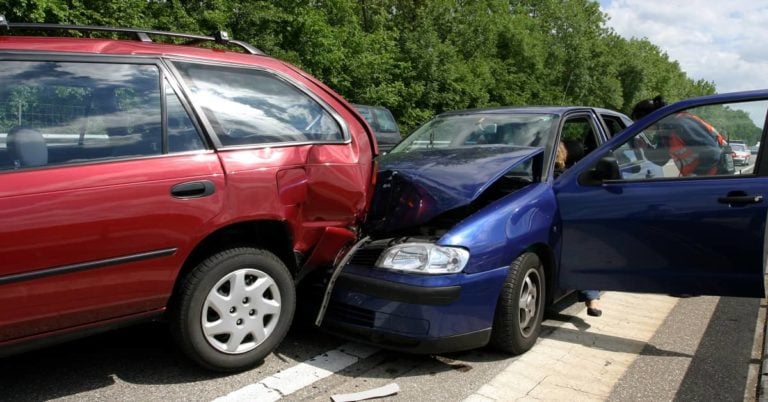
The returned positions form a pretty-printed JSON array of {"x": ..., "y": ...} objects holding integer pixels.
[
  {"x": 335, "y": 275},
  {"x": 67, "y": 269}
]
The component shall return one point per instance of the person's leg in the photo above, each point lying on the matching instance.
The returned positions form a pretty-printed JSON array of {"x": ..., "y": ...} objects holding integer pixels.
[{"x": 591, "y": 300}]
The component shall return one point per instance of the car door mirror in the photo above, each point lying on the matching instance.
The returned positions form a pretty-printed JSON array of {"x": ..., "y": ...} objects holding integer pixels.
[{"x": 606, "y": 168}]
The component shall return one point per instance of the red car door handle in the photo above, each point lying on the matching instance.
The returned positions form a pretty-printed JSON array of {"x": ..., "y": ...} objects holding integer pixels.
[
  {"x": 741, "y": 199},
  {"x": 193, "y": 189}
]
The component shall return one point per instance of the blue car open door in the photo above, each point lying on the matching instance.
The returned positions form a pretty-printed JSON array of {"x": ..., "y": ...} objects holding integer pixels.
[{"x": 681, "y": 218}]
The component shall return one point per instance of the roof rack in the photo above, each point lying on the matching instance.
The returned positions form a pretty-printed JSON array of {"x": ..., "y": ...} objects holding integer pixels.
[{"x": 221, "y": 37}]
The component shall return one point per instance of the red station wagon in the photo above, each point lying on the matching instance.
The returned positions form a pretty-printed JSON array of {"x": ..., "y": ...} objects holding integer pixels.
[{"x": 144, "y": 180}]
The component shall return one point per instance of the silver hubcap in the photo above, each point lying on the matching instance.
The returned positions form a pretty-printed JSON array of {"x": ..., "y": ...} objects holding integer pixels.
[
  {"x": 241, "y": 311},
  {"x": 529, "y": 302}
]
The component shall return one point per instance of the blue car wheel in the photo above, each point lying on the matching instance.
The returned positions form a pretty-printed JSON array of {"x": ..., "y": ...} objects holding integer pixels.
[{"x": 520, "y": 308}]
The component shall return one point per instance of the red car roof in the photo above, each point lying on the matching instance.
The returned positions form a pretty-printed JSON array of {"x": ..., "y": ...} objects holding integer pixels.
[{"x": 124, "y": 47}]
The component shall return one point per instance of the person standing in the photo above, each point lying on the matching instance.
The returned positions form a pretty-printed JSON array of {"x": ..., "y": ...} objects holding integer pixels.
[
  {"x": 691, "y": 142},
  {"x": 591, "y": 299}
]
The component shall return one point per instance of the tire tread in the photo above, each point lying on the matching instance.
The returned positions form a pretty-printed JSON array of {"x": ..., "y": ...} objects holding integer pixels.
[{"x": 505, "y": 335}]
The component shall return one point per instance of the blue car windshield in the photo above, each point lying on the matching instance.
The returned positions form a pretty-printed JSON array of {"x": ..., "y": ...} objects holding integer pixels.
[{"x": 484, "y": 129}]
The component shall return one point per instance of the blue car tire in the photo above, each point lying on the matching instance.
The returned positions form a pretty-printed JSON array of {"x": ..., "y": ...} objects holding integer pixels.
[{"x": 520, "y": 308}]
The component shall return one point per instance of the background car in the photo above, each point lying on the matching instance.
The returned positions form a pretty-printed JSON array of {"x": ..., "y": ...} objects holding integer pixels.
[
  {"x": 148, "y": 180},
  {"x": 741, "y": 154},
  {"x": 471, "y": 235},
  {"x": 384, "y": 125}
]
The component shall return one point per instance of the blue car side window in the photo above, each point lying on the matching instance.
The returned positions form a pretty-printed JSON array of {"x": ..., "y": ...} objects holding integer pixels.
[{"x": 694, "y": 143}]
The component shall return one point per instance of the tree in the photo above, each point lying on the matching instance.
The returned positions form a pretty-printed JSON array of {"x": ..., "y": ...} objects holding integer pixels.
[{"x": 419, "y": 57}]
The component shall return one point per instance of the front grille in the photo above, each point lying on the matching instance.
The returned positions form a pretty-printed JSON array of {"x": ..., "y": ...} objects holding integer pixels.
[
  {"x": 367, "y": 256},
  {"x": 350, "y": 314}
]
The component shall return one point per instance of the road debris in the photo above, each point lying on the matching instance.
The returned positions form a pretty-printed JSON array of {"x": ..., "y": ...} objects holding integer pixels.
[{"x": 387, "y": 390}]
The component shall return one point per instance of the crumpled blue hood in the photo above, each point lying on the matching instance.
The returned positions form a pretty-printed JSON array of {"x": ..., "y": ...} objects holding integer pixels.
[{"x": 416, "y": 186}]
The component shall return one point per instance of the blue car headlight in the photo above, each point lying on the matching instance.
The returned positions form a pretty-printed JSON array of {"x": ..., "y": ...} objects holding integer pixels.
[{"x": 424, "y": 258}]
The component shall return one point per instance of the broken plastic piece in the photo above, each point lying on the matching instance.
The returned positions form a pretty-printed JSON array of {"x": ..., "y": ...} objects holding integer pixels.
[{"x": 387, "y": 390}]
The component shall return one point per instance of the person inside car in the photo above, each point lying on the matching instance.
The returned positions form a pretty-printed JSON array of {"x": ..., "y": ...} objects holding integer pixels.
[{"x": 560, "y": 157}]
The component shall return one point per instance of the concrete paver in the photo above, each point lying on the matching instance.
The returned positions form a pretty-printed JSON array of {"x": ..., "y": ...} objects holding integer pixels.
[{"x": 584, "y": 357}]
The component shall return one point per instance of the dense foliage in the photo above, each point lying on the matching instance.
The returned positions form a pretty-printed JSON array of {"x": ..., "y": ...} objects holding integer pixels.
[{"x": 419, "y": 57}]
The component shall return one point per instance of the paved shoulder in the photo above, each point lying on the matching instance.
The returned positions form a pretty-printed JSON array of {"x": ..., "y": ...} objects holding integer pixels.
[
  {"x": 581, "y": 358},
  {"x": 708, "y": 349}
]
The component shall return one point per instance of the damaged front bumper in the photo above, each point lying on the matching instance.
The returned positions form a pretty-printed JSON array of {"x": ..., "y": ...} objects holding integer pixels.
[{"x": 414, "y": 313}]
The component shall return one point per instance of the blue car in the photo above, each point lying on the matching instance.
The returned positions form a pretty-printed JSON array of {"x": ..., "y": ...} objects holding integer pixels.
[{"x": 473, "y": 232}]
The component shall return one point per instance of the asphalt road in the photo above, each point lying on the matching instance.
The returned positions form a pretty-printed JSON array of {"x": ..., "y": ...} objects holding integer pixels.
[
  {"x": 708, "y": 349},
  {"x": 705, "y": 348}
]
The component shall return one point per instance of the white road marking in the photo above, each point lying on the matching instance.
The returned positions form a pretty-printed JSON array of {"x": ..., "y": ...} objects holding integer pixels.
[{"x": 301, "y": 375}]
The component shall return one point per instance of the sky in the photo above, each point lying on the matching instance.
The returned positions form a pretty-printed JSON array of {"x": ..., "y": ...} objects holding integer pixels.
[{"x": 721, "y": 41}]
